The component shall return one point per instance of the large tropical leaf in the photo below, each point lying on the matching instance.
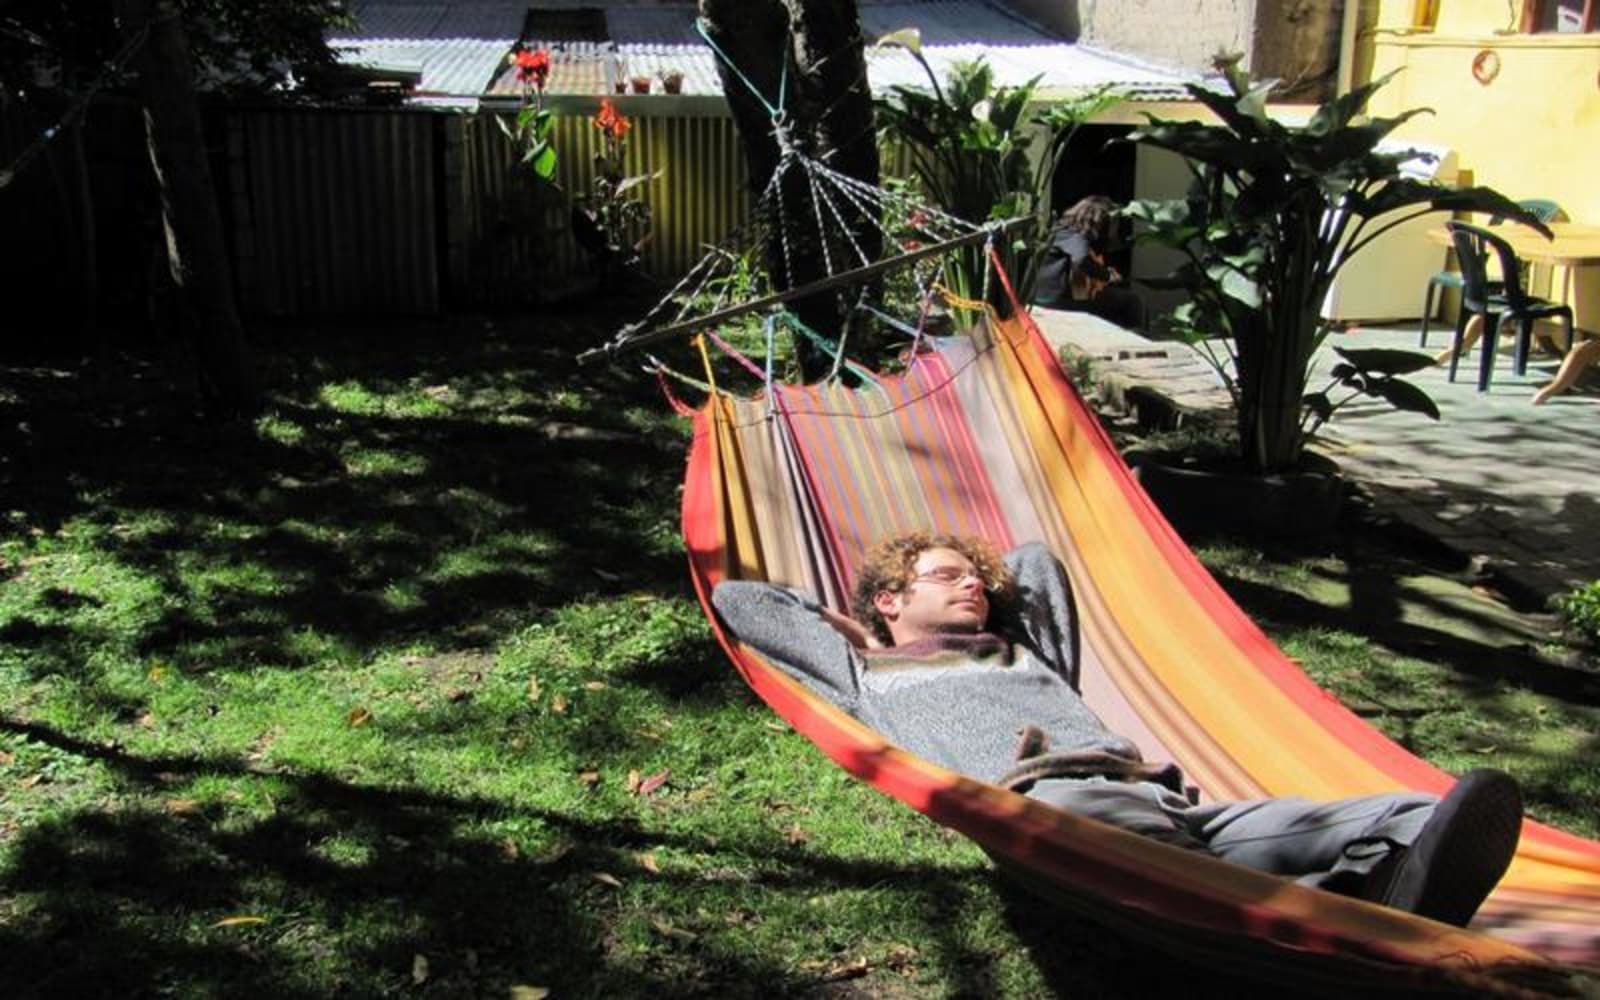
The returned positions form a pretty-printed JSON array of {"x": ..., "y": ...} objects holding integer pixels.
[
  {"x": 1342, "y": 110},
  {"x": 1408, "y": 193},
  {"x": 1385, "y": 360}
]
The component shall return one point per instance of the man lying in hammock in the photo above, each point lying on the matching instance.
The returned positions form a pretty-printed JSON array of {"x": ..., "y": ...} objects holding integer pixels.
[{"x": 971, "y": 662}]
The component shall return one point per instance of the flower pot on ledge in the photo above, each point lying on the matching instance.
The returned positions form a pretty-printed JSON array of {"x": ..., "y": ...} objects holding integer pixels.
[{"x": 1218, "y": 497}]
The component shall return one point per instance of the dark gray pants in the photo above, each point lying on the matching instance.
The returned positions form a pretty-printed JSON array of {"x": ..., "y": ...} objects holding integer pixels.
[{"x": 1324, "y": 844}]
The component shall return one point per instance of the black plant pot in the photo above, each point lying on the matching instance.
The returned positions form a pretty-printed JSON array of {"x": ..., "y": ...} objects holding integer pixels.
[{"x": 1217, "y": 497}]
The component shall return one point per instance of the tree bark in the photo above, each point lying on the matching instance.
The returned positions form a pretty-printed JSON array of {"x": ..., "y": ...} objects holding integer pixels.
[
  {"x": 197, "y": 253},
  {"x": 828, "y": 116}
]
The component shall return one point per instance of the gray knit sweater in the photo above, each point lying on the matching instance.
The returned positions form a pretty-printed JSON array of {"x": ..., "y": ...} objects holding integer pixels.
[{"x": 965, "y": 713}]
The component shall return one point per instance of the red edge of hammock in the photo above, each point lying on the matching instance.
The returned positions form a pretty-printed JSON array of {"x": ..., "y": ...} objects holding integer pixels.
[{"x": 1017, "y": 828}]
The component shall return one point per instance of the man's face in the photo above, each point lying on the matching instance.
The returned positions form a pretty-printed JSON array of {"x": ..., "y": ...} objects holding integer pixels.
[{"x": 946, "y": 596}]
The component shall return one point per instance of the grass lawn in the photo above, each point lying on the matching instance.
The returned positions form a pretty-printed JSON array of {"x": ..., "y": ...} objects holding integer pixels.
[{"x": 399, "y": 689}]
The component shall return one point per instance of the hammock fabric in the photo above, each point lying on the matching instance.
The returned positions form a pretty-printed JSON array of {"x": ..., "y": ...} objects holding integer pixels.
[{"x": 986, "y": 437}]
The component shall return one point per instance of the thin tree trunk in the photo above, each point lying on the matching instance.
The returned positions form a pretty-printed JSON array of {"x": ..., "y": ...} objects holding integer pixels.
[
  {"x": 89, "y": 331},
  {"x": 828, "y": 115},
  {"x": 197, "y": 254}
]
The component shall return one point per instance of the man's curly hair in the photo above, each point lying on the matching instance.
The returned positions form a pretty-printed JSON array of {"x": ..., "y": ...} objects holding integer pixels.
[{"x": 890, "y": 565}]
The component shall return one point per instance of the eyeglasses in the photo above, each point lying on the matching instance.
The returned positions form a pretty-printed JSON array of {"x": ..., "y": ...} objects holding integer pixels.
[{"x": 950, "y": 576}]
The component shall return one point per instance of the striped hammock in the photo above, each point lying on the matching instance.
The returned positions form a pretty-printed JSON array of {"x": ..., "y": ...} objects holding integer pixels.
[{"x": 984, "y": 436}]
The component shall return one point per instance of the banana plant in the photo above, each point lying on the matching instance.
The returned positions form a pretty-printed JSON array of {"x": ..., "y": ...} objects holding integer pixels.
[{"x": 1275, "y": 211}]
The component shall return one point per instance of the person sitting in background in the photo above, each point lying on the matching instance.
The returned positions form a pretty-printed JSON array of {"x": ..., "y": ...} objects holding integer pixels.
[
  {"x": 1074, "y": 274},
  {"x": 971, "y": 661}
]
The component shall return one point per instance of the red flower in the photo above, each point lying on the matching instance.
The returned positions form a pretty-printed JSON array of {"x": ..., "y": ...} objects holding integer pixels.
[
  {"x": 611, "y": 121},
  {"x": 533, "y": 66}
]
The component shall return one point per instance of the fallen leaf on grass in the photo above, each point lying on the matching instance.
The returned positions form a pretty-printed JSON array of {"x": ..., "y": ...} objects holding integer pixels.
[
  {"x": 776, "y": 727},
  {"x": 634, "y": 777},
  {"x": 158, "y": 672},
  {"x": 509, "y": 849},
  {"x": 676, "y": 933},
  {"x": 606, "y": 879},
  {"x": 459, "y": 694},
  {"x": 182, "y": 807},
  {"x": 358, "y": 717},
  {"x": 648, "y": 863},
  {"x": 847, "y": 970},
  {"x": 239, "y": 921},
  {"x": 590, "y": 778},
  {"x": 595, "y": 686},
  {"x": 146, "y": 720},
  {"x": 797, "y": 834},
  {"x": 558, "y": 705},
  {"x": 530, "y": 992},
  {"x": 607, "y": 575},
  {"x": 31, "y": 780},
  {"x": 419, "y": 969},
  {"x": 655, "y": 781},
  {"x": 533, "y": 689},
  {"x": 6, "y": 758}
]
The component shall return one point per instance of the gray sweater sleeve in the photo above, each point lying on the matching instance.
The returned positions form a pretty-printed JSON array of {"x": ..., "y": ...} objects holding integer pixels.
[
  {"x": 788, "y": 627},
  {"x": 1045, "y": 613}
]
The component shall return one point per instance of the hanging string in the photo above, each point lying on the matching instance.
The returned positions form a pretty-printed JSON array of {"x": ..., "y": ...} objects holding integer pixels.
[
  {"x": 704, "y": 32},
  {"x": 661, "y": 372},
  {"x": 705, "y": 359},
  {"x": 770, "y": 328}
]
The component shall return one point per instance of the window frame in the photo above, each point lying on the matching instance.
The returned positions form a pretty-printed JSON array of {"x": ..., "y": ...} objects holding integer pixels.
[{"x": 1532, "y": 9}]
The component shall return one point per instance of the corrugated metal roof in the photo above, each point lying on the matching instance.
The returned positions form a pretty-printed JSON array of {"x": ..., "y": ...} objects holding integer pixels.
[{"x": 462, "y": 48}]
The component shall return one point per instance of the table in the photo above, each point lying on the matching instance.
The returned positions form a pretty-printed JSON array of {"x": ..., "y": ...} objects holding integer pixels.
[{"x": 1575, "y": 244}]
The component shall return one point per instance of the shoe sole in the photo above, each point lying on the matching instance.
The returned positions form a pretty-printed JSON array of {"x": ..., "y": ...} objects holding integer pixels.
[{"x": 1462, "y": 851}]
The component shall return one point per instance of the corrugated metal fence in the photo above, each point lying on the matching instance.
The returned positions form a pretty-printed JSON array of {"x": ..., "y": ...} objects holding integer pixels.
[
  {"x": 403, "y": 211},
  {"x": 391, "y": 211},
  {"x": 335, "y": 211}
]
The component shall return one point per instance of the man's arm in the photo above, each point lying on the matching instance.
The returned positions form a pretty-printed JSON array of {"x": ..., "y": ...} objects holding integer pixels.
[
  {"x": 1045, "y": 609},
  {"x": 818, "y": 646}
]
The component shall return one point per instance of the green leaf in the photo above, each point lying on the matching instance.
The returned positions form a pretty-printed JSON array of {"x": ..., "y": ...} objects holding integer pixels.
[
  {"x": 909, "y": 39},
  {"x": 1384, "y": 360},
  {"x": 1402, "y": 395},
  {"x": 1319, "y": 404},
  {"x": 1339, "y": 112},
  {"x": 544, "y": 163},
  {"x": 630, "y": 183}
]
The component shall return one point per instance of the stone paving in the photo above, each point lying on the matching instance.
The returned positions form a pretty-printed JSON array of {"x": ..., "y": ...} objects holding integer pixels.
[{"x": 1509, "y": 485}]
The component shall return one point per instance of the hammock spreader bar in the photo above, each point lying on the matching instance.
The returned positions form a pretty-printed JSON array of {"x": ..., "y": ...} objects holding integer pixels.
[{"x": 630, "y": 338}]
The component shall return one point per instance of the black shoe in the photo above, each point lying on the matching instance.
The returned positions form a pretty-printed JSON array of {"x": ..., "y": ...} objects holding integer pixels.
[{"x": 1460, "y": 854}]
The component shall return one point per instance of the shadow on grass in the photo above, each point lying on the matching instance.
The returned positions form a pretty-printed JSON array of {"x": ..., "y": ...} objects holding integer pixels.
[
  {"x": 420, "y": 485},
  {"x": 129, "y": 903}
]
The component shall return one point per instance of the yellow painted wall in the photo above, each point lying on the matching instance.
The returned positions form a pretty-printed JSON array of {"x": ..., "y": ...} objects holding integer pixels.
[{"x": 1531, "y": 132}]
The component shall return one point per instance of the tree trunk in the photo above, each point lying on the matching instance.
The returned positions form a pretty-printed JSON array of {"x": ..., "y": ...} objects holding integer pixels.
[
  {"x": 828, "y": 114},
  {"x": 197, "y": 254},
  {"x": 89, "y": 332}
]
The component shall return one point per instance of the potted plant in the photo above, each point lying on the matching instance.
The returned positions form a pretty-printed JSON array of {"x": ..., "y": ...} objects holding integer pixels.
[
  {"x": 641, "y": 84},
  {"x": 1275, "y": 211},
  {"x": 672, "y": 81}
]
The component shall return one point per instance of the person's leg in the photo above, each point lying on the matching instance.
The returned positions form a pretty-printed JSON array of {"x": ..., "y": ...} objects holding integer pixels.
[
  {"x": 1326, "y": 844},
  {"x": 1437, "y": 858},
  {"x": 1139, "y": 807}
]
